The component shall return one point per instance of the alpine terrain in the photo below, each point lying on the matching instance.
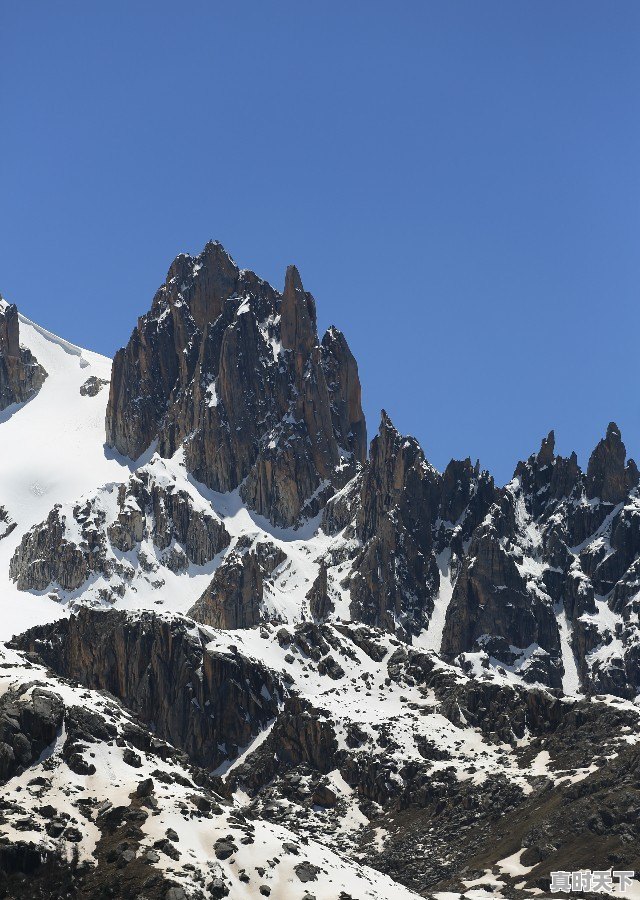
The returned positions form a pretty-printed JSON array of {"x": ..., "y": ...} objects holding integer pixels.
[{"x": 250, "y": 651}]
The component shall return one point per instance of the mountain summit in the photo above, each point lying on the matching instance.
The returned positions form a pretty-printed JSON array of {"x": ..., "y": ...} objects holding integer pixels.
[{"x": 232, "y": 372}]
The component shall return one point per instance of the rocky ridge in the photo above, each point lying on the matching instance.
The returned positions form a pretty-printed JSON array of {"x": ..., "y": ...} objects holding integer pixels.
[{"x": 549, "y": 579}]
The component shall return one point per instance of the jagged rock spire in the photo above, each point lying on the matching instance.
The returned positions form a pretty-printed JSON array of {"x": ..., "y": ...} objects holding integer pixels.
[
  {"x": 205, "y": 369},
  {"x": 343, "y": 384},
  {"x": 9, "y": 332},
  {"x": 206, "y": 282},
  {"x": 546, "y": 454},
  {"x": 607, "y": 476},
  {"x": 298, "y": 317},
  {"x": 21, "y": 376}
]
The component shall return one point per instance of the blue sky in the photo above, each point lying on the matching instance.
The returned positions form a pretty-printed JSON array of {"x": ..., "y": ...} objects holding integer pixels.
[{"x": 458, "y": 183}]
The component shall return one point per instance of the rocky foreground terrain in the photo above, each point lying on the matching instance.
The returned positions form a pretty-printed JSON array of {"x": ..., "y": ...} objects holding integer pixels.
[{"x": 249, "y": 654}]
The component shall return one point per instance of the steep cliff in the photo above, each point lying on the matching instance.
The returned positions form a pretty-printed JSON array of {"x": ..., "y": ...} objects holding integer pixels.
[
  {"x": 21, "y": 375},
  {"x": 234, "y": 372}
]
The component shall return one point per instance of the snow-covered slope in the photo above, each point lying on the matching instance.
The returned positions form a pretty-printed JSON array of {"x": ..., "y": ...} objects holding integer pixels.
[
  {"x": 52, "y": 452},
  {"x": 96, "y": 793}
]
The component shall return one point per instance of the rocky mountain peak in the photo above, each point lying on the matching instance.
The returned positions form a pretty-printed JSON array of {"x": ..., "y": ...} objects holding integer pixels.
[
  {"x": 9, "y": 332},
  {"x": 546, "y": 454},
  {"x": 460, "y": 481},
  {"x": 298, "y": 315},
  {"x": 607, "y": 476},
  {"x": 343, "y": 384},
  {"x": 546, "y": 478},
  {"x": 397, "y": 476},
  {"x": 204, "y": 282},
  {"x": 233, "y": 372},
  {"x": 393, "y": 648}
]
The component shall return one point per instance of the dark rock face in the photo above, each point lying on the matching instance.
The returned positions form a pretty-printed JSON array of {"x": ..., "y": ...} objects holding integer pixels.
[
  {"x": 343, "y": 384},
  {"x": 402, "y": 513},
  {"x": 45, "y": 556},
  {"x": 6, "y": 523},
  {"x": 71, "y": 545},
  {"x": 492, "y": 607},
  {"x": 226, "y": 367},
  {"x": 320, "y": 603},
  {"x": 607, "y": 476},
  {"x": 467, "y": 495},
  {"x": 27, "y": 728},
  {"x": 302, "y": 734},
  {"x": 148, "y": 509},
  {"x": 555, "y": 542},
  {"x": 21, "y": 375},
  {"x": 92, "y": 386},
  {"x": 198, "y": 699},
  {"x": 396, "y": 572},
  {"x": 234, "y": 596}
]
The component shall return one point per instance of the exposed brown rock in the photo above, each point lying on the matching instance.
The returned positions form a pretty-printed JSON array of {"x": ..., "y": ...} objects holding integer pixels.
[
  {"x": 226, "y": 367},
  {"x": 395, "y": 575},
  {"x": 21, "y": 375},
  {"x": 45, "y": 556},
  {"x": 320, "y": 603},
  {"x": 607, "y": 476},
  {"x": 234, "y": 597},
  {"x": 343, "y": 384},
  {"x": 199, "y": 700},
  {"x": 298, "y": 324},
  {"x": 148, "y": 509}
]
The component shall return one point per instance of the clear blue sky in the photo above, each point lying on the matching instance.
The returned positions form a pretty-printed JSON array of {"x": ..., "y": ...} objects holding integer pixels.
[{"x": 458, "y": 182}]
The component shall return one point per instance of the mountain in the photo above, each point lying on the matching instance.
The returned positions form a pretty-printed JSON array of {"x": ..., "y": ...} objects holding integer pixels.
[{"x": 247, "y": 654}]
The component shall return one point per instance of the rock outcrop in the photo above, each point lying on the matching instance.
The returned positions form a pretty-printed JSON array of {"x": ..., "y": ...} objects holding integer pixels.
[
  {"x": 320, "y": 603},
  {"x": 232, "y": 371},
  {"x": 607, "y": 476},
  {"x": 6, "y": 523},
  {"x": 27, "y": 727},
  {"x": 234, "y": 597},
  {"x": 493, "y": 609},
  {"x": 206, "y": 702},
  {"x": 153, "y": 517},
  {"x": 559, "y": 543},
  {"x": 402, "y": 513},
  {"x": 21, "y": 375},
  {"x": 92, "y": 386},
  {"x": 443, "y": 759},
  {"x": 395, "y": 577}
]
